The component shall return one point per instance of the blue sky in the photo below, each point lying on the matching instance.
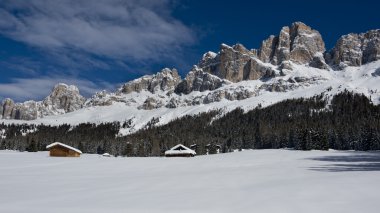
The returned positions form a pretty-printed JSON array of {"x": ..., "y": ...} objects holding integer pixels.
[{"x": 100, "y": 44}]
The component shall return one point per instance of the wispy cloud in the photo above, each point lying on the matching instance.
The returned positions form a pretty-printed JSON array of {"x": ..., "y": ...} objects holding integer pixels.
[
  {"x": 21, "y": 89},
  {"x": 21, "y": 64},
  {"x": 74, "y": 36},
  {"x": 119, "y": 29}
]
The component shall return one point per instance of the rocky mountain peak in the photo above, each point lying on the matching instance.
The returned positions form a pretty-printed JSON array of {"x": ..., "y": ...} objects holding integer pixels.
[
  {"x": 6, "y": 108},
  {"x": 240, "y": 48},
  {"x": 355, "y": 49},
  {"x": 304, "y": 43},
  {"x": 298, "y": 43},
  {"x": 165, "y": 80},
  {"x": 297, "y": 27},
  {"x": 62, "y": 87},
  {"x": 63, "y": 98},
  {"x": 209, "y": 56},
  {"x": 287, "y": 56},
  {"x": 234, "y": 64}
]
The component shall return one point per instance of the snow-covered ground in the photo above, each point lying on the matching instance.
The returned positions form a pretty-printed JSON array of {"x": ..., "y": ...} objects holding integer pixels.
[{"x": 249, "y": 181}]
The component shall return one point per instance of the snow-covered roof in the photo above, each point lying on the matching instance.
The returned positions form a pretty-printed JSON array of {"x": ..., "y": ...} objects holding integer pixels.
[
  {"x": 64, "y": 145},
  {"x": 180, "y": 149}
]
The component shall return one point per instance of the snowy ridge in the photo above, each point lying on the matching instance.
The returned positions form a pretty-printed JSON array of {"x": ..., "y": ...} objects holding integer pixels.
[
  {"x": 302, "y": 81},
  {"x": 293, "y": 64}
]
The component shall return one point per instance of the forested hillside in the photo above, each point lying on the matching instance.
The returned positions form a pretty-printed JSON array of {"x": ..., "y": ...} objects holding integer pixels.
[{"x": 349, "y": 121}]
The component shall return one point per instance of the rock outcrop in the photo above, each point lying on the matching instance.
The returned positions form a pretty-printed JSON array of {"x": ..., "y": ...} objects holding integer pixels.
[
  {"x": 198, "y": 80},
  {"x": 19, "y": 111},
  {"x": 103, "y": 98},
  {"x": 151, "y": 103},
  {"x": 355, "y": 49},
  {"x": 7, "y": 108},
  {"x": 235, "y": 64},
  {"x": 319, "y": 62},
  {"x": 25, "y": 111},
  {"x": 298, "y": 43},
  {"x": 228, "y": 64},
  {"x": 63, "y": 99},
  {"x": 165, "y": 80}
]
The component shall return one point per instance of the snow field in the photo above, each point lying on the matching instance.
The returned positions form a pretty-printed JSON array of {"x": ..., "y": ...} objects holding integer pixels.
[{"x": 248, "y": 181}]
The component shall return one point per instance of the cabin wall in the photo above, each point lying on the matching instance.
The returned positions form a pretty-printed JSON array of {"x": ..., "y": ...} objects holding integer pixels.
[{"x": 73, "y": 154}]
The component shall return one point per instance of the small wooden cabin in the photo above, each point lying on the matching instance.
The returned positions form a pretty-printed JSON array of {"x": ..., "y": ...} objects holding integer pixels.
[
  {"x": 58, "y": 149},
  {"x": 180, "y": 151}
]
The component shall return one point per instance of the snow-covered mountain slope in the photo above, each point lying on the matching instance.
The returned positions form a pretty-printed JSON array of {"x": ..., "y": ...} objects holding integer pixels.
[
  {"x": 292, "y": 64},
  {"x": 302, "y": 81}
]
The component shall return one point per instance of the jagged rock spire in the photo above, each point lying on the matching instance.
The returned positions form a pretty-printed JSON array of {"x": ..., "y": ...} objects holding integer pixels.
[
  {"x": 355, "y": 49},
  {"x": 298, "y": 43}
]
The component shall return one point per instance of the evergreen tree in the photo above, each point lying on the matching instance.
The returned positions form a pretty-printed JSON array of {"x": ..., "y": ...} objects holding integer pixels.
[
  {"x": 212, "y": 149},
  {"x": 100, "y": 150},
  {"x": 32, "y": 146}
]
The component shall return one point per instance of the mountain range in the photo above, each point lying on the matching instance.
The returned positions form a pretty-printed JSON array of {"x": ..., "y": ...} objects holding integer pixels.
[{"x": 289, "y": 65}]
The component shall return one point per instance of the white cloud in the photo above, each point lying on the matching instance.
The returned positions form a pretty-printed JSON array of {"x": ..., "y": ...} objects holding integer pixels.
[
  {"x": 86, "y": 35},
  {"x": 117, "y": 29},
  {"x": 22, "y": 89}
]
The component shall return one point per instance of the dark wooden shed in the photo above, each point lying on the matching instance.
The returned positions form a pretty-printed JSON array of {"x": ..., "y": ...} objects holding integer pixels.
[{"x": 58, "y": 149}]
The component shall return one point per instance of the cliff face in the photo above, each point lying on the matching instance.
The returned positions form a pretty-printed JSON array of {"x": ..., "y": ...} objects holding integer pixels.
[
  {"x": 355, "y": 49},
  {"x": 235, "y": 64},
  {"x": 298, "y": 43},
  {"x": 62, "y": 99},
  {"x": 198, "y": 80}
]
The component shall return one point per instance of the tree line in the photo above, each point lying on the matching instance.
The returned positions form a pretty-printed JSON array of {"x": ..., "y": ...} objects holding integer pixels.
[{"x": 347, "y": 121}]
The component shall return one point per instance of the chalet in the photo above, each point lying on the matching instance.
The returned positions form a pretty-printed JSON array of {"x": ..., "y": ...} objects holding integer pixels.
[
  {"x": 180, "y": 151},
  {"x": 58, "y": 149}
]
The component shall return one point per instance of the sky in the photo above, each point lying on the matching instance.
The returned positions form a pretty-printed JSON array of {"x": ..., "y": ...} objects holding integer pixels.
[{"x": 101, "y": 44}]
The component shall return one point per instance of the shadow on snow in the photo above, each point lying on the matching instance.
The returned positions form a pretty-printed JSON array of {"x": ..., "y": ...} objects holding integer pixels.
[{"x": 353, "y": 161}]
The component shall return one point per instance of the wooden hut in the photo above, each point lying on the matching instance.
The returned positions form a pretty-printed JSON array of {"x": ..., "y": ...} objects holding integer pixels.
[
  {"x": 180, "y": 151},
  {"x": 58, "y": 149}
]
